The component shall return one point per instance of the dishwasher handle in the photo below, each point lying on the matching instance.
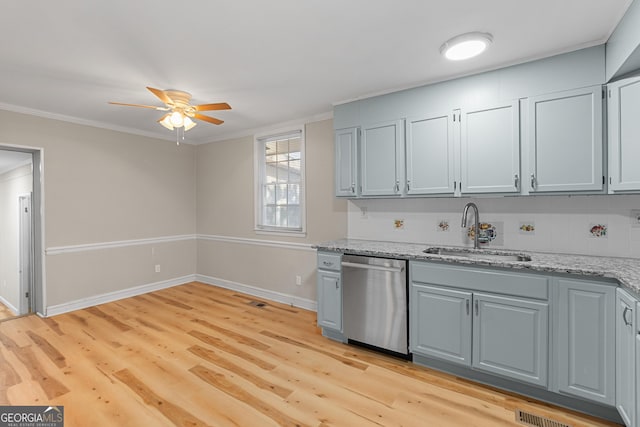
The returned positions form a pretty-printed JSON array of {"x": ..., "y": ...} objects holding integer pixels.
[{"x": 373, "y": 267}]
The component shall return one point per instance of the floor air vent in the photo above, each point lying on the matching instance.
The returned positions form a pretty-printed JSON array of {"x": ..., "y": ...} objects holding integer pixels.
[
  {"x": 536, "y": 420},
  {"x": 257, "y": 304}
]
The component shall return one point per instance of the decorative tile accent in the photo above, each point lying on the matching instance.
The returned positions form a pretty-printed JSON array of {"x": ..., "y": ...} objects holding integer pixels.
[
  {"x": 528, "y": 228},
  {"x": 491, "y": 231},
  {"x": 398, "y": 224},
  {"x": 443, "y": 225},
  {"x": 598, "y": 230}
]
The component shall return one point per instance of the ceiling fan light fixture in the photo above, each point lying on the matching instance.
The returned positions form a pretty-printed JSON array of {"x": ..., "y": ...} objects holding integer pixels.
[
  {"x": 188, "y": 124},
  {"x": 466, "y": 46},
  {"x": 166, "y": 122},
  {"x": 177, "y": 119}
]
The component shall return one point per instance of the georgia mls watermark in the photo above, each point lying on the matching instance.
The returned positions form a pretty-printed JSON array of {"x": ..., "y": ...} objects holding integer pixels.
[{"x": 31, "y": 416}]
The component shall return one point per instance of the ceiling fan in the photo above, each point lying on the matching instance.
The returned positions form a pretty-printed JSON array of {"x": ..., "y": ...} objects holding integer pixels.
[{"x": 179, "y": 111}]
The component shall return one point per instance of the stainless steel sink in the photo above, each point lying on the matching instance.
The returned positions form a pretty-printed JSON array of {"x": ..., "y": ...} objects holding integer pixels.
[{"x": 479, "y": 254}]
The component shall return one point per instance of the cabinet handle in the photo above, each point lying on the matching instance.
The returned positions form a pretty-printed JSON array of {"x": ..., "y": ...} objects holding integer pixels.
[
  {"x": 516, "y": 181},
  {"x": 337, "y": 287},
  {"x": 327, "y": 263},
  {"x": 455, "y": 184},
  {"x": 534, "y": 181},
  {"x": 467, "y": 307},
  {"x": 476, "y": 306},
  {"x": 408, "y": 186},
  {"x": 397, "y": 186},
  {"x": 353, "y": 188},
  {"x": 624, "y": 316}
]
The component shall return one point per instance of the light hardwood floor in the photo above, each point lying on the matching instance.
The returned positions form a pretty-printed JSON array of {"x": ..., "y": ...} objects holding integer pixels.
[
  {"x": 198, "y": 355},
  {"x": 5, "y": 313}
]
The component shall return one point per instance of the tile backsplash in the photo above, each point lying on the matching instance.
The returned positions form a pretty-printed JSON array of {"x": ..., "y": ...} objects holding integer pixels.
[{"x": 589, "y": 225}]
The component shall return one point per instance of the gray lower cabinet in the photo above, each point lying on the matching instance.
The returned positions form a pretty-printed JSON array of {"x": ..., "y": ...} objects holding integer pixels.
[
  {"x": 510, "y": 337},
  {"x": 626, "y": 388},
  {"x": 585, "y": 340},
  {"x": 441, "y": 323},
  {"x": 637, "y": 361},
  {"x": 329, "y": 292},
  {"x": 498, "y": 334}
]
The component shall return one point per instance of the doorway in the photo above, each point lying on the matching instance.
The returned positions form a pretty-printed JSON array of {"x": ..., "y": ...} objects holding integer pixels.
[{"x": 21, "y": 260}]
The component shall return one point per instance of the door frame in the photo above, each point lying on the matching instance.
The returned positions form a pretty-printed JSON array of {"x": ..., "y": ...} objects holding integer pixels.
[
  {"x": 38, "y": 294},
  {"x": 25, "y": 253}
]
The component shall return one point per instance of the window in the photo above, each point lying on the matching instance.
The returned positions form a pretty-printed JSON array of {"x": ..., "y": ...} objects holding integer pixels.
[{"x": 280, "y": 182}]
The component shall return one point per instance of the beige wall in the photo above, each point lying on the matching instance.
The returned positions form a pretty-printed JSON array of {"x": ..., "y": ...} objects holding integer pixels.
[
  {"x": 225, "y": 195},
  {"x": 105, "y": 186},
  {"x": 12, "y": 184}
]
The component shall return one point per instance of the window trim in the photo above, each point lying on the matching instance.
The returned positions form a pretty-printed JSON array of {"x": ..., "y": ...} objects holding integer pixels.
[{"x": 258, "y": 173}]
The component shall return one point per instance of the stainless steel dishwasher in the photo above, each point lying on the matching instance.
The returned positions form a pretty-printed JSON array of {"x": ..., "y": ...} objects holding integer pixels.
[{"x": 375, "y": 302}]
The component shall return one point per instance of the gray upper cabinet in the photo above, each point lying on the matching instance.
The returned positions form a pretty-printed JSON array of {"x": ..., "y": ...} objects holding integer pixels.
[
  {"x": 490, "y": 149},
  {"x": 510, "y": 337},
  {"x": 382, "y": 159},
  {"x": 346, "y": 152},
  {"x": 565, "y": 141},
  {"x": 624, "y": 135},
  {"x": 585, "y": 340},
  {"x": 626, "y": 402},
  {"x": 430, "y": 154}
]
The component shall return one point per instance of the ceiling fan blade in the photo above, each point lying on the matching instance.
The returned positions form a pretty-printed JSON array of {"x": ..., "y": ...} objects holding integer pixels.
[
  {"x": 138, "y": 105},
  {"x": 208, "y": 119},
  {"x": 211, "y": 107},
  {"x": 162, "y": 95}
]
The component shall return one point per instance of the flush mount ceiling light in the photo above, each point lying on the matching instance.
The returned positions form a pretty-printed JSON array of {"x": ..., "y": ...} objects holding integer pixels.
[{"x": 466, "y": 46}]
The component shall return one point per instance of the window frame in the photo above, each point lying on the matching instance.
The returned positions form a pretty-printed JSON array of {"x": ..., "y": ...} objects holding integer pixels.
[{"x": 260, "y": 139}]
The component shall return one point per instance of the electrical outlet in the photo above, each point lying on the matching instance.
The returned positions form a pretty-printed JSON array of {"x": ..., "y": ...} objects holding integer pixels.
[
  {"x": 635, "y": 218},
  {"x": 298, "y": 280},
  {"x": 157, "y": 268}
]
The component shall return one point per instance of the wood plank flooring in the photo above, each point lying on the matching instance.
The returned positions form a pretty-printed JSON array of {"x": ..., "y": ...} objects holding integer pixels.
[
  {"x": 5, "y": 313},
  {"x": 198, "y": 355}
]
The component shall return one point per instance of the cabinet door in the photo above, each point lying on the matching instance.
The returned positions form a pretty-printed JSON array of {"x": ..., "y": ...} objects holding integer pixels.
[
  {"x": 329, "y": 300},
  {"x": 346, "y": 141},
  {"x": 430, "y": 154},
  {"x": 565, "y": 141},
  {"x": 625, "y": 357},
  {"x": 441, "y": 323},
  {"x": 510, "y": 337},
  {"x": 382, "y": 159},
  {"x": 624, "y": 135},
  {"x": 585, "y": 341},
  {"x": 490, "y": 149}
]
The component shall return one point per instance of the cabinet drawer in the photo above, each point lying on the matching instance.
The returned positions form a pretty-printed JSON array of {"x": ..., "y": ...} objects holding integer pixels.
[
  {"x": 329, "y": 261},
  {"x": 481, "y": 279}
]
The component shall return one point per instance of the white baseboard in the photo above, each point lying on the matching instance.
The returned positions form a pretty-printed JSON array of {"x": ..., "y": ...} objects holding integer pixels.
[
  {"x": 117, "y": 295},
  {"x": 9, "y": 305},
  {"x": 293, "y": 300}
]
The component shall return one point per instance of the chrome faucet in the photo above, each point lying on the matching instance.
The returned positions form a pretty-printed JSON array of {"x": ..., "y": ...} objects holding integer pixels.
[{"x": 476, "y": 232}]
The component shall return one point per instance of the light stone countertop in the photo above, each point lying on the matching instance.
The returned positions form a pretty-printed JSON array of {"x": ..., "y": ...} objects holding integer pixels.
[{"x": 624, "y": 270}]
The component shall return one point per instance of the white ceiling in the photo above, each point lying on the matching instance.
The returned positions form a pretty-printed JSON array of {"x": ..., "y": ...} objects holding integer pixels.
[{"x": 273, "y": 61}]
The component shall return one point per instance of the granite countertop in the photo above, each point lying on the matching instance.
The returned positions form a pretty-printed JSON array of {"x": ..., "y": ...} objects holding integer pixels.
[{"x": 624, "y": 270}]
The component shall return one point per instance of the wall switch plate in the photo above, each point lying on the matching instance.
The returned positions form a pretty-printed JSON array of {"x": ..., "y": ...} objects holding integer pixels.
[
  {"x": 635, "y": 218},
  {"x": 157, "y": 268},
  {"x": 298, "y": 280}
]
